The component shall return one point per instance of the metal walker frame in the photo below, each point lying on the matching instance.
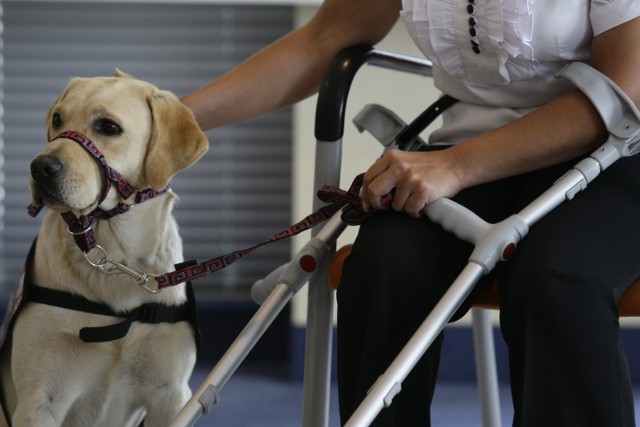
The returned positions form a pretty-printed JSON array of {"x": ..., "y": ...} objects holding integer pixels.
[{"x": 493, "y": 242}]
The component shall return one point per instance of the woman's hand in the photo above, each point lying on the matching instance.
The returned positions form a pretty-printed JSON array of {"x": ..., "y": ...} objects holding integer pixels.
[{"x": 419, "y": 178}]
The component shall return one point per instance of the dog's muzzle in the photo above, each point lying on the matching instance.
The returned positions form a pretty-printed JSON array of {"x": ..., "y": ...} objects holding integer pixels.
[{"x": 45, "y": 169}]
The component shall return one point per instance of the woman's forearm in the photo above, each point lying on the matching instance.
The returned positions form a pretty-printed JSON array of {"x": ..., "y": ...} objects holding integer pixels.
[
  {"x": 561, "y": 130},
  {"x": 273, "y": 78},
  {"x": 292, "y": 68}
]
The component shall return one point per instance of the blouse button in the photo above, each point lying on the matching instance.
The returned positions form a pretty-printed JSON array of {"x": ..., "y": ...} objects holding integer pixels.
[{"x": 473, "y": 31}]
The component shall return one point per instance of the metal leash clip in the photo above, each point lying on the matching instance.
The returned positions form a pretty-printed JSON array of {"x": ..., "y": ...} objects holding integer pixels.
[{"x": 108, "y": 266}]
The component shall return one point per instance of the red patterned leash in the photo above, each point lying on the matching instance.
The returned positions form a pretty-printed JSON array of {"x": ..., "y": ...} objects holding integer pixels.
[
  {"x": 82, "y": 230},
  {"x": 352, "y": 214}
]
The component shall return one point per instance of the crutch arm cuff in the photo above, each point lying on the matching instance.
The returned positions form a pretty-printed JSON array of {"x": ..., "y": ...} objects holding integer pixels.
[{"x": 618, "y": 112}]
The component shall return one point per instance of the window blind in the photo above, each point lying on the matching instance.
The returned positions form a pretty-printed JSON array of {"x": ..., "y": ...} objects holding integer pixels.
[{"x": 237, "y": 195}]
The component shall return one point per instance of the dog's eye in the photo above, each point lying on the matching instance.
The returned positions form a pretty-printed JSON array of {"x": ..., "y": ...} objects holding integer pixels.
[
  {"x": 56, "y": 121},
  {"x": 107, "y": 127}
]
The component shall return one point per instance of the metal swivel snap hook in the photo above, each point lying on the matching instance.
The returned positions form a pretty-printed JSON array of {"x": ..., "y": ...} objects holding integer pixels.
[{"x": 108, "y": 266}]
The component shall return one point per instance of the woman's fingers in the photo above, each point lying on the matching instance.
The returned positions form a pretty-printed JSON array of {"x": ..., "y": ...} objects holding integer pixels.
[
  {"x": 377, "y": 182},
  {"x": 417, "y": 179}
]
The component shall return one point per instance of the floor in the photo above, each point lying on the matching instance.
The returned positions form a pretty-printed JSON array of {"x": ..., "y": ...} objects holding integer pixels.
[
  {"x": 258, "y": 398},
  {"x": 266, "y": 398}
]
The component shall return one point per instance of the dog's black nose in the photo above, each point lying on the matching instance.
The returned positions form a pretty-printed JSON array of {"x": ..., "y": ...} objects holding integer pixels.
[{"x": 45, "y": 168}]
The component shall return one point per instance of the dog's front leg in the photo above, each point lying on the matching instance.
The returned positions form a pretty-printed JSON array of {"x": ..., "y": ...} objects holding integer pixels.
[
  {"x": 166, "y": 406},
  {"x": 46, "y": 399},
  {"x": 40, "y": 410},
  {"x": 47, "y": 372},
  {"x": 43, "y": 399}
]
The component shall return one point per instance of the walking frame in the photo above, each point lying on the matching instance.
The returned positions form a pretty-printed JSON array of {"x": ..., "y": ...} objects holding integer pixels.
[{"x": 493, "y": 243}]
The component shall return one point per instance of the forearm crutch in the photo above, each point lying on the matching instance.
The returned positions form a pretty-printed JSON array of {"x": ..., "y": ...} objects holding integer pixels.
[{"x": 496, "y": 242}]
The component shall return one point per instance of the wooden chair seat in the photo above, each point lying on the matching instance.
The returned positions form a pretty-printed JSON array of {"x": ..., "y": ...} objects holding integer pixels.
[{"x": 628, "y": 306}]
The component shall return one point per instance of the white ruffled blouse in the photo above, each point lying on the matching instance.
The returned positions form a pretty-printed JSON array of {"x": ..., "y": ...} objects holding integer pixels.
[
  {"x": 469, "y": 39},
  {"x": 505, "y": 53}
]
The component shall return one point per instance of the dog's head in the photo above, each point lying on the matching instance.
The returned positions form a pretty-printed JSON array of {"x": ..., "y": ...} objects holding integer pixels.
[{"x": 145, "y": 134}]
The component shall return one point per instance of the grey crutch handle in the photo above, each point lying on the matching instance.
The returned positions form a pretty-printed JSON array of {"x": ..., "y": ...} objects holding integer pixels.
[{"x": 492, "y": 242}]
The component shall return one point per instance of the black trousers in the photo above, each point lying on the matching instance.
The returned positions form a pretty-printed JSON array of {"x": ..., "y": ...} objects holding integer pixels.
[{"x": 558, "y": 301}]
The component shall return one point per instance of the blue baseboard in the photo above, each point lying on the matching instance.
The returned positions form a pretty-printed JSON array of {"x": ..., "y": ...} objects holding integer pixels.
[{"x": 457, "y": 362}]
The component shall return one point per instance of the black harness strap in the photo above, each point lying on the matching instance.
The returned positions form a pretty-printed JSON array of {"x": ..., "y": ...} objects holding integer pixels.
[
  {"x": 146, "y": 313},
  {"x": 152, "y": 313}
]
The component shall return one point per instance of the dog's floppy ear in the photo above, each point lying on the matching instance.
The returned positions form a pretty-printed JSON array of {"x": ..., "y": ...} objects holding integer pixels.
[
  {"x": 176, "y": 139},
  {"x": 119, "y": 73}
]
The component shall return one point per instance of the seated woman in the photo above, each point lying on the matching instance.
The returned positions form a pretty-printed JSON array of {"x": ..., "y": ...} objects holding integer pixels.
[{"x": 515, "y": 129}]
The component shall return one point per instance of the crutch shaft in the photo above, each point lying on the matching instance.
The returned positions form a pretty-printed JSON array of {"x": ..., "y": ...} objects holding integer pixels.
[
  {"x": 201, "y": 401},
  {"x": 388, "y": 385}
]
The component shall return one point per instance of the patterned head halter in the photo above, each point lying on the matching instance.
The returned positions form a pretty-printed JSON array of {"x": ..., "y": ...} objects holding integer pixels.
[{"x": 81, "y": 227}]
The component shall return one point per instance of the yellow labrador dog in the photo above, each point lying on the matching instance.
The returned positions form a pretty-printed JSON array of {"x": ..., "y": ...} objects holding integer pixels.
[{"x": 88, "y": 347}]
